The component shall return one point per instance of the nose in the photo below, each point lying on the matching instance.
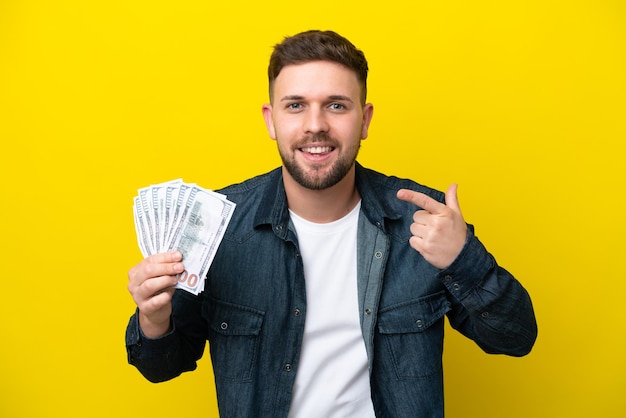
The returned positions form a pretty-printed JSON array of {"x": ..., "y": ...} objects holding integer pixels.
[{"x": 315, "y": 121}]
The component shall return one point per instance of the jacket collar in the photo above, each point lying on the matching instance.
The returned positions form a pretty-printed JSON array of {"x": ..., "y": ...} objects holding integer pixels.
[
  {"x": 273, "y": 209},
  {"x": 375, "y": 198}
]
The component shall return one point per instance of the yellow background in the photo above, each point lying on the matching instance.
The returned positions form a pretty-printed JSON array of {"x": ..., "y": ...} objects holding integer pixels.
[{"x": 521, "y": 102}]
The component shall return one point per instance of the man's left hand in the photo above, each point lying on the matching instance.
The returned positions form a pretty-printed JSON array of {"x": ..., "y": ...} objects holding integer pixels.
[{"x": 439, "y": 230}]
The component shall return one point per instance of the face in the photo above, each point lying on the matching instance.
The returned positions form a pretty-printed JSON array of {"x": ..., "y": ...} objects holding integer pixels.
[{"x": 318, "y": 121}]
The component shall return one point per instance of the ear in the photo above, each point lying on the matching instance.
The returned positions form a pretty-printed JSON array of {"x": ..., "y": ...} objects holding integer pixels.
[
  {"x": 269, "y": 121},
  {"x": 368, "y": 113}
]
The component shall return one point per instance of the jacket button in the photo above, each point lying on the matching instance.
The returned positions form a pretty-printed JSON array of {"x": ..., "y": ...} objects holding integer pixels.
[
  {"x": 378, "y": 254},
  {"x": 287, "y": 367},
  {"x": 368, "y": 311},
  {"x": 224, "y": 325},
  {"x": 296, "y": 312},
  {"x": 419, "y": 323}
]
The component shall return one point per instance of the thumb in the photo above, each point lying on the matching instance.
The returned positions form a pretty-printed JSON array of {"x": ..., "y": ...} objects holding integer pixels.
[{"x": 452, "y": 200}]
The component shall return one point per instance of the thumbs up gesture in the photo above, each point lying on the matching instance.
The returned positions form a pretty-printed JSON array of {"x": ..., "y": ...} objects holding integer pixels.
[{"x": 438, "y": 230}]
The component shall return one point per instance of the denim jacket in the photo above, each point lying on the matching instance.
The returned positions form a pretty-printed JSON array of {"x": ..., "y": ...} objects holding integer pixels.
[{"x": 254, "y": 304}]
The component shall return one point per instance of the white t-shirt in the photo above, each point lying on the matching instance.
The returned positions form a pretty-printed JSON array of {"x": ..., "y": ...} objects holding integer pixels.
[{"x": 332, "y": 379}]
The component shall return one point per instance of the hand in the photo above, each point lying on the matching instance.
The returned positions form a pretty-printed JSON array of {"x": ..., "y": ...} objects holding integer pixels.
[
  {"x": 151, "y": 284},
  {"x": 439, "y": 230}
]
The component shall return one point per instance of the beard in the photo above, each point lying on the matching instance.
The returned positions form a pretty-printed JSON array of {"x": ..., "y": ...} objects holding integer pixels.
[{"x": 318, "y": 176}]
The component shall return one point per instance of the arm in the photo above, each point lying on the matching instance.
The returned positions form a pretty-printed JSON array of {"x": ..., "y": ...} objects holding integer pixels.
[
  {"x": 160, "y": 337},
  {"x": 488, "y": 304}
]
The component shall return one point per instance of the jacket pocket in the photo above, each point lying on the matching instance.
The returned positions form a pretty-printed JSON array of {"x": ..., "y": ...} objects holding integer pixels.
[
  {"x": 233, "y": 339},
  {"x": 411, "y": 334}
]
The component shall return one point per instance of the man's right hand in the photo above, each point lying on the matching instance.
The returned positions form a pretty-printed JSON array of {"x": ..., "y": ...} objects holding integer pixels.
[{"x": 151, "y": 284}]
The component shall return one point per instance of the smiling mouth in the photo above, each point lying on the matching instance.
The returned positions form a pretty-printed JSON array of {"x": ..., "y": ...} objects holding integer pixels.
[{"x": 317, "y": 150}]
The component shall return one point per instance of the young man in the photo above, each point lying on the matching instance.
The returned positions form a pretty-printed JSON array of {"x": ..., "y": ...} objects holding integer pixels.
[{"x": 328, "y": 293}]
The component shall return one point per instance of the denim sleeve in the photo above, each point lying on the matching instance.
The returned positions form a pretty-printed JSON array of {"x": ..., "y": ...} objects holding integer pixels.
[
  {"x": 163, "y": 358},
  {"x": 488, "y": 304}
]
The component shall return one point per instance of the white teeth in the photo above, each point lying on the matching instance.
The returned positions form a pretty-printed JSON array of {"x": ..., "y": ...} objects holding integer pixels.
[{"x": 317, "y": 150}]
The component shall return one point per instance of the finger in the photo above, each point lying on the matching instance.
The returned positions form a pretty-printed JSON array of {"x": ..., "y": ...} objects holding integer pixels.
[
  {"x": 420, "y": 199},
  {"x": 418, "y": 230},
  {"x": 151, "y": 267},
  {"x": 167, "y": 257},
  {"x": 156, "y": 302},
  {"x": 162, "y": 269},
  {"x": 421, "y": 217},
  {"x": 157, "y": 285},
  {"x": 452, "y": 199},
  {"x": 160, "y": 298},
  {"x": 147, "y": 289}
]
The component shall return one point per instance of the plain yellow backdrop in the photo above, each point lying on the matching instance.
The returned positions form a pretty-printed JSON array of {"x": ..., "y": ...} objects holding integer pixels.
[{"x": 523, "y": 103}]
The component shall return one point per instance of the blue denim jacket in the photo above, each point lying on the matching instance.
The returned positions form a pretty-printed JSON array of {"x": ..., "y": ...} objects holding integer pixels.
[{"x": 254, "y": 304}]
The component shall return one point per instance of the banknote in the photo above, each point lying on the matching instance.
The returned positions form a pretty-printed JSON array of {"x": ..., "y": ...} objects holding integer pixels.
[{"x": 186, "y": 217}]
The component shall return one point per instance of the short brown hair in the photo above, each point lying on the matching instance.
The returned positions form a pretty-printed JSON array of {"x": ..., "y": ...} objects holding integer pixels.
[{"x": 315, "y": 45}]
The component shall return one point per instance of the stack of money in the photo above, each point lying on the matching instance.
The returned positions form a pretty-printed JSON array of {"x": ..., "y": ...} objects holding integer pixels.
[{"x": 185, "y": 217}]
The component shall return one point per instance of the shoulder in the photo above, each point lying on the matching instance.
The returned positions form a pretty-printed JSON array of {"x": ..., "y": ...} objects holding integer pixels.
[
  {"x": 386, "y": 186},
  {"x": 255, "y": 200},
  {"x": 380, "y": 204},
  {"x": 249, "y": 188}
]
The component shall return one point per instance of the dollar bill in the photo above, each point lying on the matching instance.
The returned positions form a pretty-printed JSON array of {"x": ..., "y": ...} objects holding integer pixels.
[
  {"x": 187, "y": 217},
  {"x": 147, "y": 217},
  {"x": 199, "y": 235},
  {"x": 142, "y": 235}
]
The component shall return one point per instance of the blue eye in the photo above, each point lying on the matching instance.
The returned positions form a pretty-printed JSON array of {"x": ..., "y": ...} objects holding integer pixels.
[
  {"x": 294, "y": 106},
  {"x": 337, "y": 106}
]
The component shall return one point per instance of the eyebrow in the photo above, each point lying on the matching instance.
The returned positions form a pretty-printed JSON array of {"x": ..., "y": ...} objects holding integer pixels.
[
  {"x": 292, "y": 97},
  {"x": 338, "y": 97}
]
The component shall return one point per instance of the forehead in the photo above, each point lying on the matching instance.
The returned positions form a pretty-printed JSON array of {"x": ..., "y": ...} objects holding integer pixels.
[{"x": 316, "y": 78}]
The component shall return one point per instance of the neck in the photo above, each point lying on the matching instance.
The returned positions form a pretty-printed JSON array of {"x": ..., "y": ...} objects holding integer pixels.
[{"x": 322, "y": 206}]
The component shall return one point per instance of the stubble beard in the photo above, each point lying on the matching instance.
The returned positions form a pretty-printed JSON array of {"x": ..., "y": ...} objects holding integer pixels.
[{"x": 319, "y": 176}]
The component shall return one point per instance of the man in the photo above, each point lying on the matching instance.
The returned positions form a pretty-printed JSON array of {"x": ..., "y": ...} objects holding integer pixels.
[{"x": 328, "y": 293}]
